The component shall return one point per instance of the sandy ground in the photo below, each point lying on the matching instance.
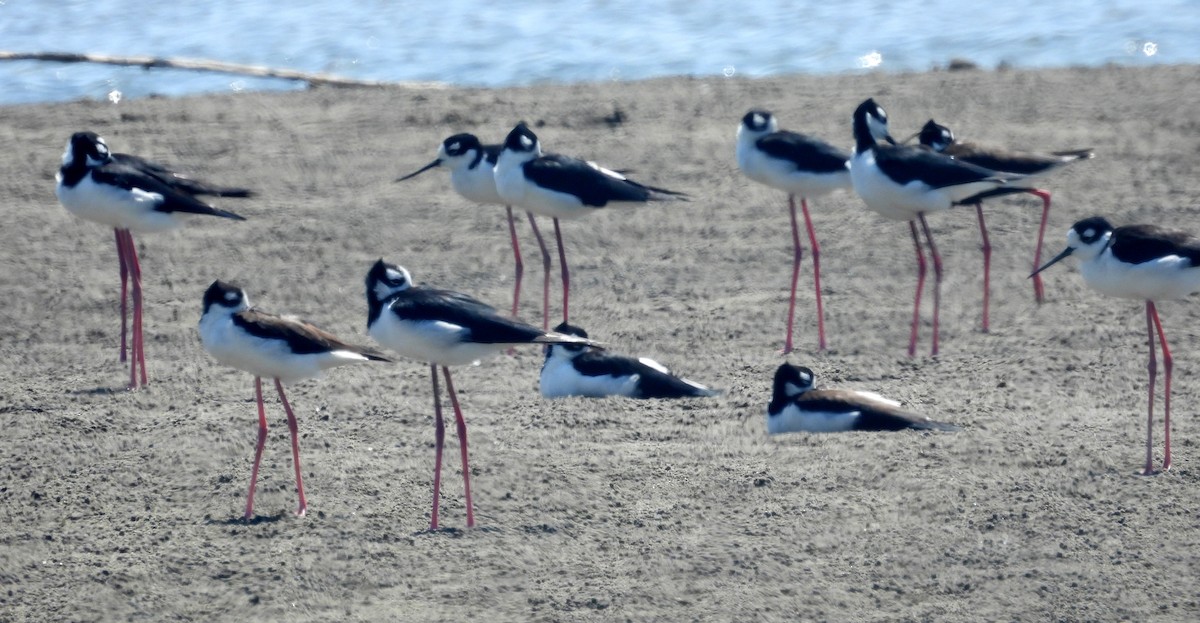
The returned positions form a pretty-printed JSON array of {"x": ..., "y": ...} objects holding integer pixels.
[{"x": 126, "y": 506}]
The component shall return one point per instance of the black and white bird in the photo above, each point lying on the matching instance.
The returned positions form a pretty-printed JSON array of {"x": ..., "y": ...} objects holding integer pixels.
[
  {"x": 795, "y": 406},
  {"x": 562, "y": 187},
  {"x": 581, "y": 370},
  {"x": 905, "y": 182},
  {"x": 130, "y": 194},
  {"x": 444, "y": 328},
  {"x": 472, "y": 165},
  {"x": 282, "y": 348},
  {"x": 1143, "y": 262},
  {"x": 799, "y": 165},
  {"x": 1032, "y": 165}
]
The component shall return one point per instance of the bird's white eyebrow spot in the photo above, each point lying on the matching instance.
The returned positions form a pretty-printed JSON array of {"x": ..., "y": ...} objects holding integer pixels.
[
  {"x": 394, "y": 275},
  {"x": 454, "y": 146},
  {"x": 525, "y": 140},
  {"x": 231, "y": 296},
  {"x": 1089, "y": 232},
  {"x": 759, "y": 120}
]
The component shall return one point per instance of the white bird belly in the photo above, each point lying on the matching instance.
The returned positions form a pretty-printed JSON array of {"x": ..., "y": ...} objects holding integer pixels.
[
  {"x": 430, "y": 340},
  {"x": 266, "y": 358},
  {"x": 792, "y": 419},
  {"x": 1166, "y": 278},
  {"x": 783, "y": 175},
  {"x": 889, "y": 199},
  {"x": 115, "y": 207},
  {"x": 478, "y": 184},
  {"x": 560, "y": 379}
]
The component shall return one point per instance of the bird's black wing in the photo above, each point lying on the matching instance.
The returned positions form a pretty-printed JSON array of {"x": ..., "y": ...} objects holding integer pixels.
[
  {"x": 875, "y": 414},
  {"x": 484, "y": 324},
  {"x": 301, "y": 337},
  {"x": 179, "y": 181},
  {"x": 652, "y": 382},
  {"x": 129, "y": 177},
  {"x": 807, "y": 153},
  {"x": 592, "y": 185},
  {"x": 1137, "y": 244},
  {"x": 905, "y": 164}
]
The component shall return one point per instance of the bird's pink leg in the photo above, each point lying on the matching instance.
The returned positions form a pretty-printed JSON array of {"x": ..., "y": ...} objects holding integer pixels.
[
  {"x": 136, "y": 348},
  {"x": 294, "y": 429},
  {"x": 1038, "y": 291},
  {"x": 937, "y": 282},
  {"x": 1153, "y": 369},
  {"x": 912, "y": 339},
  {"x": 797, "y": 254},
  {"x": 816, "y": 261},
  {"x": 987, "y": 265},
  {"x": 439, "y": 436},
  {"x": 566, "y": 273},
  {"x": 124, "y": 288},
  {"x": 461, "y": 424},
  {"x": 258, "y": 447},
  {"x": 537, "y": 233},
  {"x": 520, "y": 266},
  {"x": 1167, "y": 365}
]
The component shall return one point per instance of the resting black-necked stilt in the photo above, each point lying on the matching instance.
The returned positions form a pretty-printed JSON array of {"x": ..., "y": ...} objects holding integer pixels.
[
  {"x": 471, "y": 166},
  {"x": 906, "y": 182},
  {"x": 1032, "y": 165},
  {"x": 444, "y": 328},
  {"x": 276, "y": 347},
  {"x": 130, "y": 194},
  {"x": 1145, "y": 262},
  {"x": 796, "y": 406},
  {"x": 580, "y": 370},
  {"x": 561, "y": 187},
  {"x": 800, "y": 166}
]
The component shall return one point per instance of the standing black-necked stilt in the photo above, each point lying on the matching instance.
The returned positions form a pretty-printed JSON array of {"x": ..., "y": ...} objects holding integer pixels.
[
  {"x": 1032, "y": 165},
  {"x": 130, "y": 194},
  {"x": 1144, "y": 262},
  {"x": 580, "y": 370},
  {"x": 795, "y": 406},
  {"x": 906, "y": 182},
  {"x": 561, "y": 187},
  {"x": 276, "y": 347},
  {"x": 800, "y": 166},
  {"x": 471, "y": 166},
  {"x": 444, "y": 328}
]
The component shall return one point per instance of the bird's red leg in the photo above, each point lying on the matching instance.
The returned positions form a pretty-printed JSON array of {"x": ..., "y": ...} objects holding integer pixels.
[
  {"x": 566, "y": 273},
  {"x": 294, "y": 429},
  {"x": 258, "y": 447},
  {"x": 461, "y": 424},
  {"x": 537, "y": 233},
  {"x": 937, "y": 282},
  {"x": 987, "y": 265},
  {"x": 912, "y": 339},
  {"x": 1039, "y": 292},
  {"x": 816, "y": 261},
  {"x": 1167, "y": 365},
  {"x": 520, "y": 266},
  {"x": 137, "y": 348},
  {"x": 124, "y": 288},
  {"x": 797, "y": 254},
  {"x": 1153, "y": 369},
  {"x": 439, "y": 436}
]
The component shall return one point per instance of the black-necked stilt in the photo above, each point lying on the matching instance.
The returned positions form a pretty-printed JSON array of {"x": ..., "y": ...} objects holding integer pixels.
[
  {"x": 561, "y": 187},
  {"x": 471, "y": 166},
  {"x": 1032, "y": 165},
  {"x": 580, "y": 370},
  {"x": 795, "y": 406},
  {"x": 276, "y": 347},
  {"x": 444, "y": 328},
  {"x": 906, "y": 182},
  {"x": 800, "y": 166},
  {"x": 1144, "y": 262},
  {"x": 130, "y": 194}
]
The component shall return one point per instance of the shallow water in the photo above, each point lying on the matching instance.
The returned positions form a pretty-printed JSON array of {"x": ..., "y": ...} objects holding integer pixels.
[{"x": 496, "y": 44}]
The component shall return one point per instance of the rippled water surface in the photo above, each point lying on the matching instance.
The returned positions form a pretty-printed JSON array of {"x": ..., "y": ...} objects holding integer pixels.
[{"x": 509, "y": 43}]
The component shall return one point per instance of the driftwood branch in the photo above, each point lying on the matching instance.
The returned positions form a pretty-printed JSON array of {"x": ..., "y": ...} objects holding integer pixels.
[{"x": 192, "y": 64}]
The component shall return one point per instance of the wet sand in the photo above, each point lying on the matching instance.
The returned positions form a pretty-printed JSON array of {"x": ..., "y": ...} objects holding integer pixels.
[{"x": 126, "y": 506}]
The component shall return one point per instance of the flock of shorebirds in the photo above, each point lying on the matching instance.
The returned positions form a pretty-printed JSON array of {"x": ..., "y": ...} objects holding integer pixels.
[{"x": 446, "y": 328}]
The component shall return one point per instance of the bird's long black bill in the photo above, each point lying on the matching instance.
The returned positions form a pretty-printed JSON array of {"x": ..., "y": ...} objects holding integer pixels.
[
  {"x": 891, "y": 140},
  {"x": 421, "y": 170},
  {"x": 909, "y": 139},
  {"x": 1058, "y": 258}
]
